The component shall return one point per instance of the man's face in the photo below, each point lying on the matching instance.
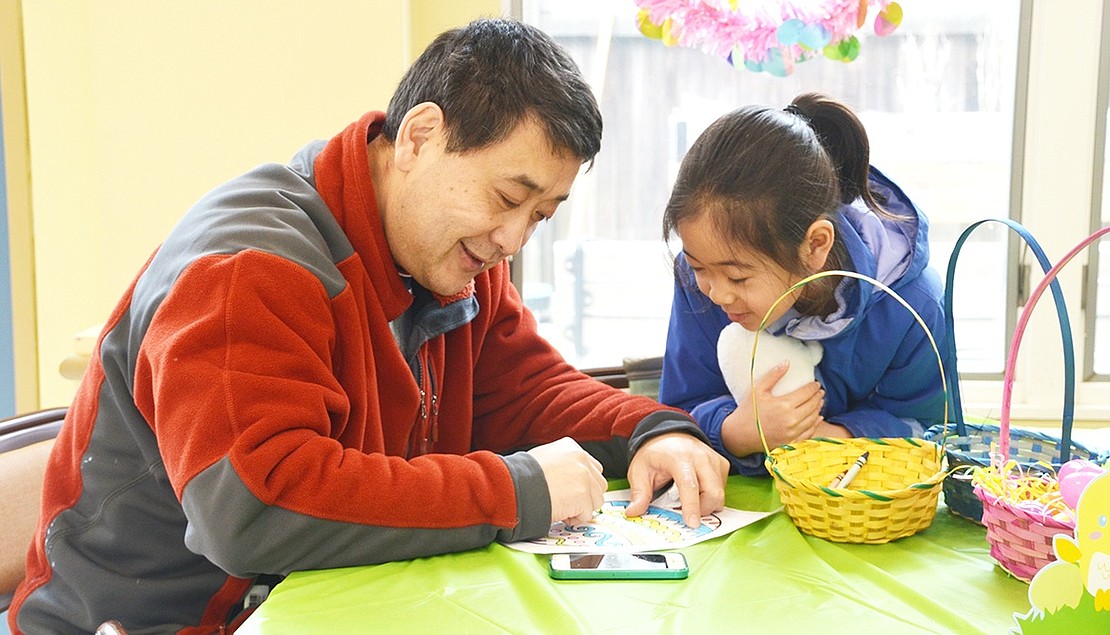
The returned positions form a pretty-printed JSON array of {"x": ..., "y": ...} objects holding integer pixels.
[{"x": 457, "y": 215}]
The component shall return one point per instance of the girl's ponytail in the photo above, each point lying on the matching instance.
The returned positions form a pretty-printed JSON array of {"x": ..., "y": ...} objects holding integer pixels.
[{"x": 844, "y": 138}]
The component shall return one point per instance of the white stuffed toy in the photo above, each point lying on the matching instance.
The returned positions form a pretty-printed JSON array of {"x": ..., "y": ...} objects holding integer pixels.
[{"x": 734, "y": 353}]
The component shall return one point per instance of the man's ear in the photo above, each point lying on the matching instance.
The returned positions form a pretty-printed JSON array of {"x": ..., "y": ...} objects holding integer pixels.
[
  {"x": 817, "y": 244},
  {"x": 422, "y": 125}
]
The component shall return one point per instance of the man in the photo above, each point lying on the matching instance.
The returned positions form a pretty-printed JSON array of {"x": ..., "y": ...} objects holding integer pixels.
[{"x": 325, "y": 365}]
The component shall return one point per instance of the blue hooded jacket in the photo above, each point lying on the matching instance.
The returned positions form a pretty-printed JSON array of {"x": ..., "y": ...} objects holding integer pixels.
[{"x": 879, "y": 370}]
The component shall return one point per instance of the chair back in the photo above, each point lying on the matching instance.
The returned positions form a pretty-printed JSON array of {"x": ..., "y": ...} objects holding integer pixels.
[
  {"x": 25, "y": 444},
  {"x": 643, "y": 375}
]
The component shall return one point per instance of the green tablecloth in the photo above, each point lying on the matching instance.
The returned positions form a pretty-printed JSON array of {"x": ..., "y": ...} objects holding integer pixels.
[{"x": 767, "y": 577}]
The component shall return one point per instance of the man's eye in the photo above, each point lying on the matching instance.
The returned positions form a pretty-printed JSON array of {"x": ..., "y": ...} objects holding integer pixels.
[{"x": 508, "y": 202}]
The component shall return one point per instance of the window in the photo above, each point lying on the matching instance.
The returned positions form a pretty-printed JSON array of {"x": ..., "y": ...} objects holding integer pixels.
[
  {"x": 1097, "y": 360},
  {"x": 937, "y": 97}
]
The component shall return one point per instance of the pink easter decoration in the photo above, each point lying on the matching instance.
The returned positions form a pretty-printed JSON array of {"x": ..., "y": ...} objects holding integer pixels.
[
  {"x": 1074, "y": 477},
  {"x": 748, "y": 33},
  {"x": 888, "y": 19}
]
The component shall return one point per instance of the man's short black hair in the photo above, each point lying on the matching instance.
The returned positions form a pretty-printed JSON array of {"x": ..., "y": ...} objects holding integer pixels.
[{"x": 491, "y": 75}]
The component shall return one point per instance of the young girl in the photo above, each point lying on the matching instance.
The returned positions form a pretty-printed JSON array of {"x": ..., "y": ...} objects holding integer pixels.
[{"x": 764, "y": 198}]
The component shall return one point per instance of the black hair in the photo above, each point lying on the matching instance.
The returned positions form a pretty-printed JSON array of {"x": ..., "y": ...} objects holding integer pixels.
[
  {"x": 491, "y": 75},
  {"x": 766, "y": 175}
]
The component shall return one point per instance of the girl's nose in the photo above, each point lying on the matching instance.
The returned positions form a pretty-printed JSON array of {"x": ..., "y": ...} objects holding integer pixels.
[{"x": 721, "y": 295}]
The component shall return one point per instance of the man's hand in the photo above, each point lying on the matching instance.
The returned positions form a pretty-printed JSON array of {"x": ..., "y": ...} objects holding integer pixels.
[
  {"x": 574, "y": 480},
  {"x": 697, "y": 470}
]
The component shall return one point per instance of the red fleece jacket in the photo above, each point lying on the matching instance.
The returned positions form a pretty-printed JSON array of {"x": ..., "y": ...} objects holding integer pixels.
[{"x": 248, "y": 410}]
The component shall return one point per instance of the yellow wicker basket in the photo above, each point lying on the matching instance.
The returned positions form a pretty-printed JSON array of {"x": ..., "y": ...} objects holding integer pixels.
[{"x": 893, "y": 496}]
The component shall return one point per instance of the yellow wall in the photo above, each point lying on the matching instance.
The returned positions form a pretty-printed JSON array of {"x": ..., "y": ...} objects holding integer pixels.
[
  {"x": 429, "y": 18},
  {"x": 135, "y": 109}
]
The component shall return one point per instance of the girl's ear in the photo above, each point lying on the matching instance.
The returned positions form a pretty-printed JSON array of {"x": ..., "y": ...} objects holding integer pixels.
[
  {"x": 422, "y": 124},
  {"x": 817, "y": 244}
]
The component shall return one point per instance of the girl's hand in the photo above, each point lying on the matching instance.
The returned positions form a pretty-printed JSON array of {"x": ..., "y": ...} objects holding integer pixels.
[
  {"x": 831, "y": 431},
  {"x": 785, "y": 418}
]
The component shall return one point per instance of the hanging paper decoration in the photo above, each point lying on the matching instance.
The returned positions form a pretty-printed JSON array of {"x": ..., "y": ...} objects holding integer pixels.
[{"x": 767, "y": 35}]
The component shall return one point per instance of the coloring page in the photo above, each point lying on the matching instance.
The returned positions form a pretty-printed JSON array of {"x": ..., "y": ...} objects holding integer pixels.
[{"x": 610, "y": 531}]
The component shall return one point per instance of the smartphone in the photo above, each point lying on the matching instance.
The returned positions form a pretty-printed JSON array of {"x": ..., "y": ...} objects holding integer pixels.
[{"x": 670, "y": 565}]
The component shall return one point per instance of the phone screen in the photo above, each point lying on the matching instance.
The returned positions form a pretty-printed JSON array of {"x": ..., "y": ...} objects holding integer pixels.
[{"x": 624, "y": 561}]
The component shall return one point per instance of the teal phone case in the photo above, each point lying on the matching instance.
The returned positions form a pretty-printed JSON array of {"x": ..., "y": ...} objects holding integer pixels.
[{"x": 603, "y": 573}]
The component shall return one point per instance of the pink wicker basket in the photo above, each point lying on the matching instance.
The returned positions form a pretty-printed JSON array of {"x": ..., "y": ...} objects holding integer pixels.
[{"x": 1021, "y": 539}]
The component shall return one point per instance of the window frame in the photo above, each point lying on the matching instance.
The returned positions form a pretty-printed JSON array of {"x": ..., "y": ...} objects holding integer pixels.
[{"x": 1098, "y": 193}]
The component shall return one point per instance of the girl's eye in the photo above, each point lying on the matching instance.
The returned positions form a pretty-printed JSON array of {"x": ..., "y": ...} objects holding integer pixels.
[{"x": 737, "y": 280}]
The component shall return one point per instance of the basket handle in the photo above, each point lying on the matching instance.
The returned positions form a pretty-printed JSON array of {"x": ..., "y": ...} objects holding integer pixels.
[
  {"x": 1061, "y": 313},
  {"x": 1019, "y": 330},
  {"x": 848, "y": 274}
]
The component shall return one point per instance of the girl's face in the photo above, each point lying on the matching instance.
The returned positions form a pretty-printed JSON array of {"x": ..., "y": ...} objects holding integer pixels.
[{"x": 742, "y": 282}]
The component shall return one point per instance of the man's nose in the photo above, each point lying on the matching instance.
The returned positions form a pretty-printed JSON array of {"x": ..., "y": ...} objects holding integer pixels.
[{"x": 510, "y": 236}]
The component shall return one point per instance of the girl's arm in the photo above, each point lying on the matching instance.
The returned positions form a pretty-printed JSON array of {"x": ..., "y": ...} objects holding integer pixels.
[{"x": 889, "y": 386}]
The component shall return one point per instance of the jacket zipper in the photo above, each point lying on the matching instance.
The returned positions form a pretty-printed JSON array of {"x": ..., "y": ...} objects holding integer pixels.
[{"x": 426, "y": 431}]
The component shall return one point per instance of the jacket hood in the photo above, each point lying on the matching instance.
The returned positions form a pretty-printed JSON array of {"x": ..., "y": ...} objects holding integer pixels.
[{"x": 892, "y": 251}]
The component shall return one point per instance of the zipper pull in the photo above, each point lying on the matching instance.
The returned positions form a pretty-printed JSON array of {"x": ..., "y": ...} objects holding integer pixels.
[{"x": 435, "y": 419}]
